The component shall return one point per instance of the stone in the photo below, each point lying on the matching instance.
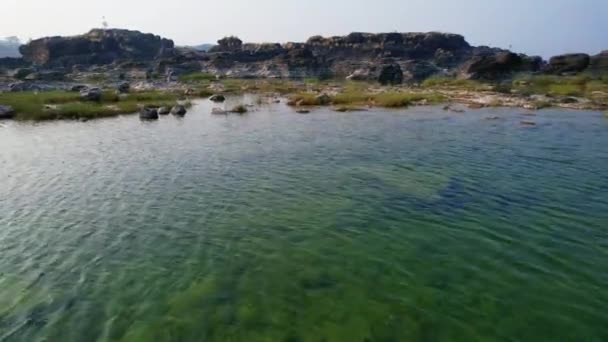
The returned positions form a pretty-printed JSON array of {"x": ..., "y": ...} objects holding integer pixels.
[
  {"x": 302, "y": 111},
  {"x": 217, "y": 98},
  {"x": 23, "y": 86},
  {"x": 78, "y": 87},
  {"x": 6, "y": 112},
  {"x": 148, "y": 113},
  {"x": 218, "y": 111},
  {"x": 123, "y": 87},
  {"x": 569, "y": 63},
  {"x": 90, "y": 94},
  {"x": 178, "y": 110},
  {"x": 164, "y": 110},
  {"x": 390, "y": 74},
  {"x": 322, "y": 100}
]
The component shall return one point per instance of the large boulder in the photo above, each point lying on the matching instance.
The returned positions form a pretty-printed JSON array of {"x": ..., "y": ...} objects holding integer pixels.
[
  {"x": 498, "y": 65},
  {"x": 6, "y": 112},
  {"x": 570, "y": 63},
  {"x": 148, "y": 113},
  {"x": 90, "y": 94},
  {"x": 390, "y": 74},
  {"x": 178, "y": 110},
  {"x": 599, "y": 63},
  {"x": 123, "y": 87},
  {"x": 164, "y": 110},
  {"x": 96, "y": 47},
  {"x": 228, "y": 44}
]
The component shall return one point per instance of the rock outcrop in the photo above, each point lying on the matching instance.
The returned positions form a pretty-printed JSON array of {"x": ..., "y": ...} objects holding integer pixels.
[
  {"x": 390, "y": 58},
  {"x": 570, "y": 63},
  {"x": 98, "y": 46},
  {"x": 599, "y": 63},
  {"x": 412, "y": 57}
]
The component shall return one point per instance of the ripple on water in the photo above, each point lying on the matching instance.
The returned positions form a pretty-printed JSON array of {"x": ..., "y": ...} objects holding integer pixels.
[{"x": 380, "y": 225}]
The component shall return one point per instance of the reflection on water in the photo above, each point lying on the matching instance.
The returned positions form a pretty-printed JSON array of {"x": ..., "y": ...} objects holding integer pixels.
[{"x": 370, "y": 226}]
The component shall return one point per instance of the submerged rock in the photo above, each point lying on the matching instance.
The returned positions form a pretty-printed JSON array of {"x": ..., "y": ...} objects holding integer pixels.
[
  {"x": 164, "y": 110},
  {"x": 148, "y": 113},
  {"x": 218, "y": 111},
  {"x": 6, "y": 112},
  {"x": 217, "y": 98},
  {"x": 178, "y": 110}
]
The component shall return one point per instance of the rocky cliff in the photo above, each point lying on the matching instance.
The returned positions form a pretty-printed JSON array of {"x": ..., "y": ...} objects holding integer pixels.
[
  {"x": 96, "y": 47},
  {"x": 387, "y": 57},
  {"x": 367, "y": 56}
]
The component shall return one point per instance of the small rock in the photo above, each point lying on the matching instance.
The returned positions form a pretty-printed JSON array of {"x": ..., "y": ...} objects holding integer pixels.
[
  {"x": 6, "y": 112},
  {"x": 492, "y": 118},
  {"x": 528, "y": 123},
  {"x": 218, "y": 111},
  {"x": 217, "y": 98},
  {"x": 78, "y": 88},
  {"x": 569, "y": 100},
  {"x": 90, "y": 94},
  {"x": 164, "y": 110},
  {"x": 123, "y": 87},
  {"x": 178, "y": 110},
  {"x": 302, "y": 111},
  {"x": 476, "y": 105},
  {"x": 148, "y": 113}
]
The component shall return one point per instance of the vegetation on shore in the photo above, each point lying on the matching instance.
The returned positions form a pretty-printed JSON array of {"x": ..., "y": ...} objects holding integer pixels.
[
  {"x": 344, "y": 95},
  {"x": 392, "y": 99},
  {"x": 53, "y": 105}
]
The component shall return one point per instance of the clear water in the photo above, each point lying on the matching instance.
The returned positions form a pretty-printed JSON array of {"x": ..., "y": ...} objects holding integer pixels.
[{"x": 408, "y": 225}]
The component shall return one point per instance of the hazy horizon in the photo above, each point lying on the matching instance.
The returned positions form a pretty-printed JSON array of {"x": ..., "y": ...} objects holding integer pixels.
[{"x": 543, "y": 28}]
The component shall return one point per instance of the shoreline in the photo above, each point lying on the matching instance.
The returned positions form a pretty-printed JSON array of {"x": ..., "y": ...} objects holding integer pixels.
[{"x": 52, "y": 101}]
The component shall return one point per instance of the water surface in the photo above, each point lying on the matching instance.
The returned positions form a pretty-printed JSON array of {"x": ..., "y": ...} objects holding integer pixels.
[{"x": 386, "y": 225}]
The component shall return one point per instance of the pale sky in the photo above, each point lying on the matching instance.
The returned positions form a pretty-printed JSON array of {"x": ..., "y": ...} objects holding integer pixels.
[{"x": 543, "y": 27}]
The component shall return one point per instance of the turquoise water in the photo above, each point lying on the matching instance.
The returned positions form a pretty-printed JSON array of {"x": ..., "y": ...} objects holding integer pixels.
[{"x": 408, "y": 225}]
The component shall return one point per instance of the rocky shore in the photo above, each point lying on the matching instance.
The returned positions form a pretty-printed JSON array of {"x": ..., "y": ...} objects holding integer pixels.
[{"x": 440, "y": 63}]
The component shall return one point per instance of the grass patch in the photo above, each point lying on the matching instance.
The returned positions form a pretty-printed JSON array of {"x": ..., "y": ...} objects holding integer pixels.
[
  {"x": 197, "y": 77},
  {"x": 579, "y": 85},
  {"x": 452, "y": 82},
  {"x": 399, "y": 99},
  {"x": 353, "y": 98},
  {"x": 67, "y": 105}
]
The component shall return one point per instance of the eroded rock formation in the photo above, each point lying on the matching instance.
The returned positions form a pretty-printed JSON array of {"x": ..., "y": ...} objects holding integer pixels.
[{"x": 98, "y": 46}]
